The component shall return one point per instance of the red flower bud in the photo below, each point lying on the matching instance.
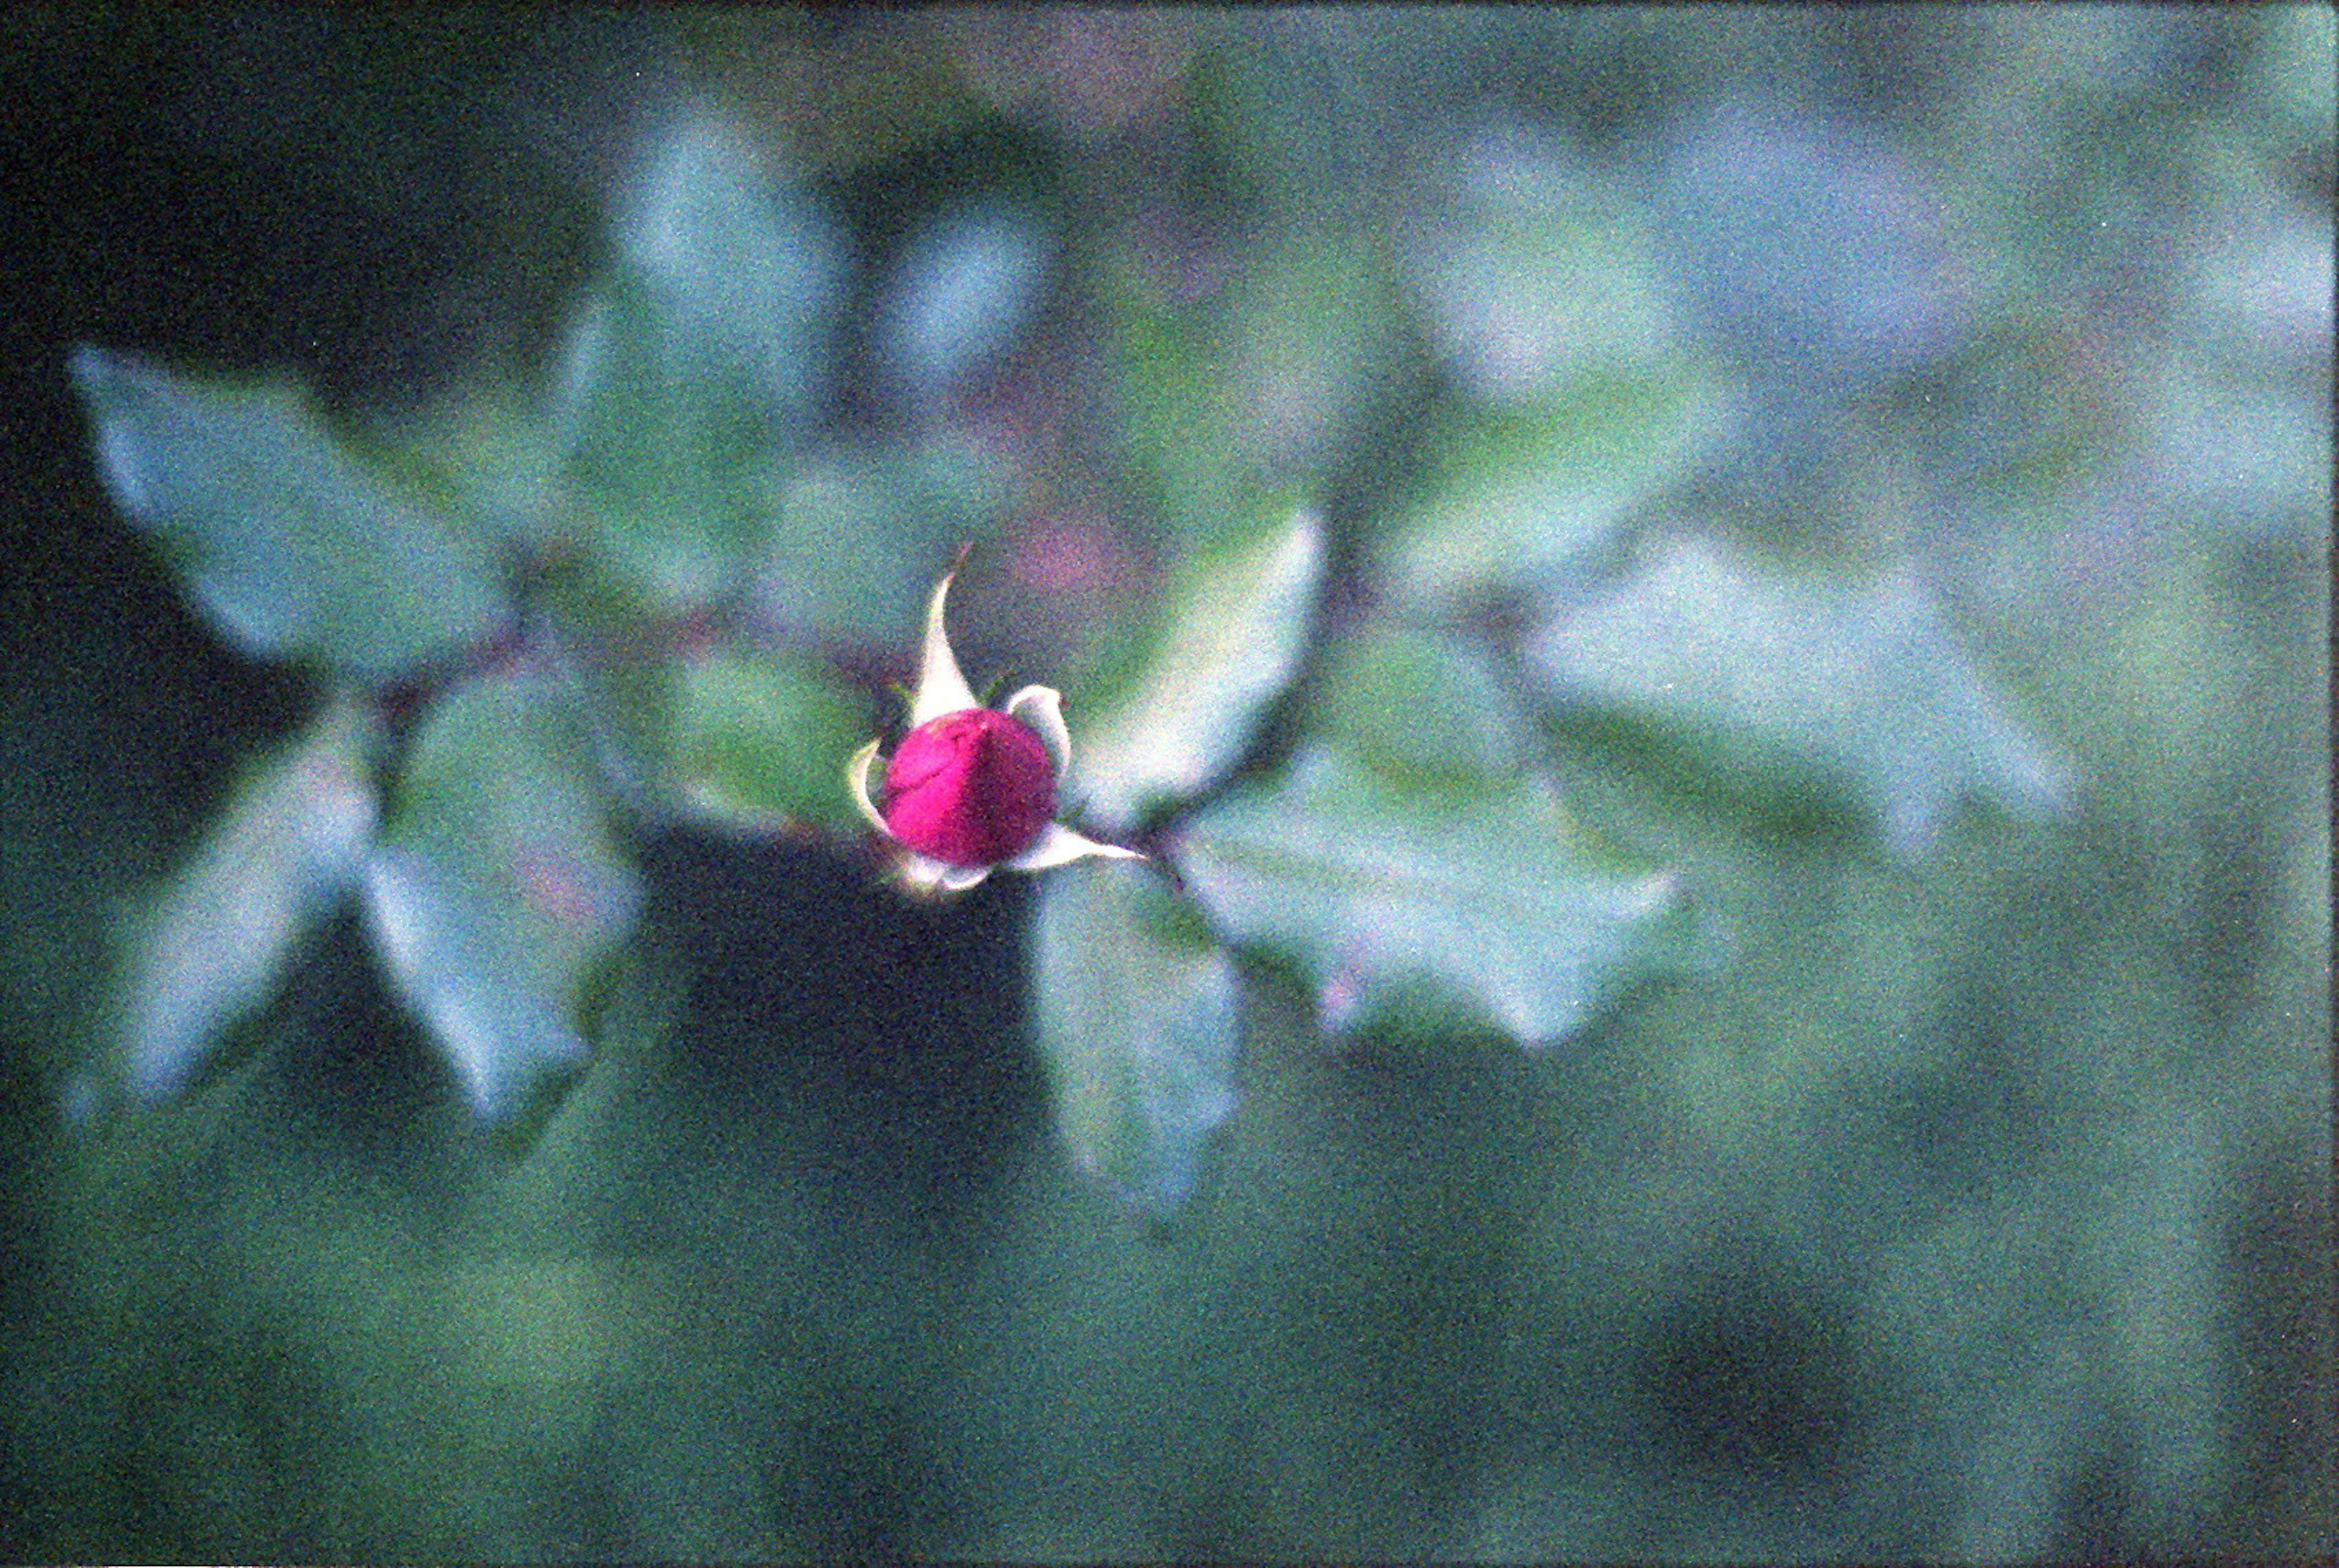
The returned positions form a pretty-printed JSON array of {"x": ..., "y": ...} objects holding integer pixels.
[{"x": 971, "y": 788}]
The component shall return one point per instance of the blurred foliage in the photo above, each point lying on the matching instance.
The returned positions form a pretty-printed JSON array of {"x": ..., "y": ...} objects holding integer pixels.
[
  {"x": 291, "y": 549},
  {"x": 1543, "y": 519},
  {"x": 1372, "y": 888},
  {"x": 1856, "y": 686}
]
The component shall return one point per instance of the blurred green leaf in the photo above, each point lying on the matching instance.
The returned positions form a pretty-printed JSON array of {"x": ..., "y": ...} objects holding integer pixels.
[
  {"x": 1536, "y": 282},
  {"x": 1536, "y": 274},
  {"x": 2239, "y": 458},
  {"x": 1374, "y": 891},
  {"x": 695, "y": 364},
  {"x": 2298, "y": 45},
  {"x": 743, "y": 727},
  {"x": 662, "y": 461},
  {"x": 1137, "y": 1021},
  {"x": 1420, "y": 708},
  {"x": 963, "y": 290},
  {"x": 1525, "y": 497},
  {"x": 857, "y": 538},
  {"x": 625, "y": 663},
  {"x": 744, "y": 272},
  {"x": 1233, "y": 631},
  {"x": 291, "y": 548},
  {"x": 1319, "y": 334},
  {"x": 1773, "y": 684},
  {"x": 1180, "y": 427},
  {"x": 1255, "y": 391},
  {"x": 760, "y": 740},
  {"x": 497, "y": 895},
  {"x": 216, "y": 943},
  {"x": 492, "y": 445}
]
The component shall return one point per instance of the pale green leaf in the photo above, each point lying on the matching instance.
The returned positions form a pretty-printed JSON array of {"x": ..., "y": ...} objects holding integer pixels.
[
  {"x": 1377, "y": 893},
  {"x": 760, "y": 740},
  {"x": 1231, "y": 640},
  {"x": 1260, "y": 389},
  {"x": 1525, "y": 497},
  {"x": 963, "y": 291},
  {"x": 1536, "y": 272},
  {"x": 1420, "y": 706},
  {"x": 216, "y": 943},
  {"x": 745, "y": 274},
  {"x": 291, "y": 548},
  {"x": 1779, "y": 685},
  {"x": 696, "y": 364},
  {"x": 660, "y": 457},
  {"x": 497, "y": 895},
  {"x": 491, "y": 443},
  {"x": 1582, "y": 398},
  {"x": 1137, "y": 1022},
  {"x": 853, "y": 539}
]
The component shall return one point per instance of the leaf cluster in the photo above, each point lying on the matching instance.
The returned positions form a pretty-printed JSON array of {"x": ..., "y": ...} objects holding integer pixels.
[{"x": 552, "y": 621}]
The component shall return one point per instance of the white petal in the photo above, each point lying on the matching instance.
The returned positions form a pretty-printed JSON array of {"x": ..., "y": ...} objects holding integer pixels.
[
  {"x": 929, "y": 877},
  {"x": 856, "y": 774},
  {"x": 1046, "y": 716},
  {"x": 1058, "y": 845},
  {"x": 942, "y": 689}
]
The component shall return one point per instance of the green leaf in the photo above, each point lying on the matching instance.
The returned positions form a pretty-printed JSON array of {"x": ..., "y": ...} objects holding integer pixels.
[
  {"x": 1317, "y": 337},
  {"x": 662, "y": 464},
  {"x": 1137, "y": 1021},
  {"x": 1178, "y": 420},
  {"x": 1525, "y": 497},
  {"x": 490, "y": 442},
  {"x": 1535, "y": 274},
  {"x": 216, "y": 943},
  {"x": 292, "y": 548},
  {"x": 497, "y": 896},
  {"x": 1579, "y": 397},
  {"x": 745, "y": 274},
  {"x": 624, "y": 664},
  {"x": 1377, "y": 893},
  {"x": 963, "y": 291},
  {"x": 1768, "y": 684},
  {"x": 1420, "y": 708},
  {"x": 760, "y": 742},
  {"x": 855, "y": 539},
  {"x": 696, "y": 365},
  {"x": 1232, "y": 636},
  {"x": 1257, "y": 392},
  {"x": 723, "y": 725}
]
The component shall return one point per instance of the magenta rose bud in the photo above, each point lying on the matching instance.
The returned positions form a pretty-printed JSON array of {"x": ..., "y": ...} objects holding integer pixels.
[{"x": 971, "y": 788}]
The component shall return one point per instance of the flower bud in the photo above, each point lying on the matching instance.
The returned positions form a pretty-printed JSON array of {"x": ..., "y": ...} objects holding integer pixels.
[{"x": 970, "y": 788}]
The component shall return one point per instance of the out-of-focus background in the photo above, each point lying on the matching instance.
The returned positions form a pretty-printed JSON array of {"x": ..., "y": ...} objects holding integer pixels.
[{"x": 1976, "y": 1204}]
